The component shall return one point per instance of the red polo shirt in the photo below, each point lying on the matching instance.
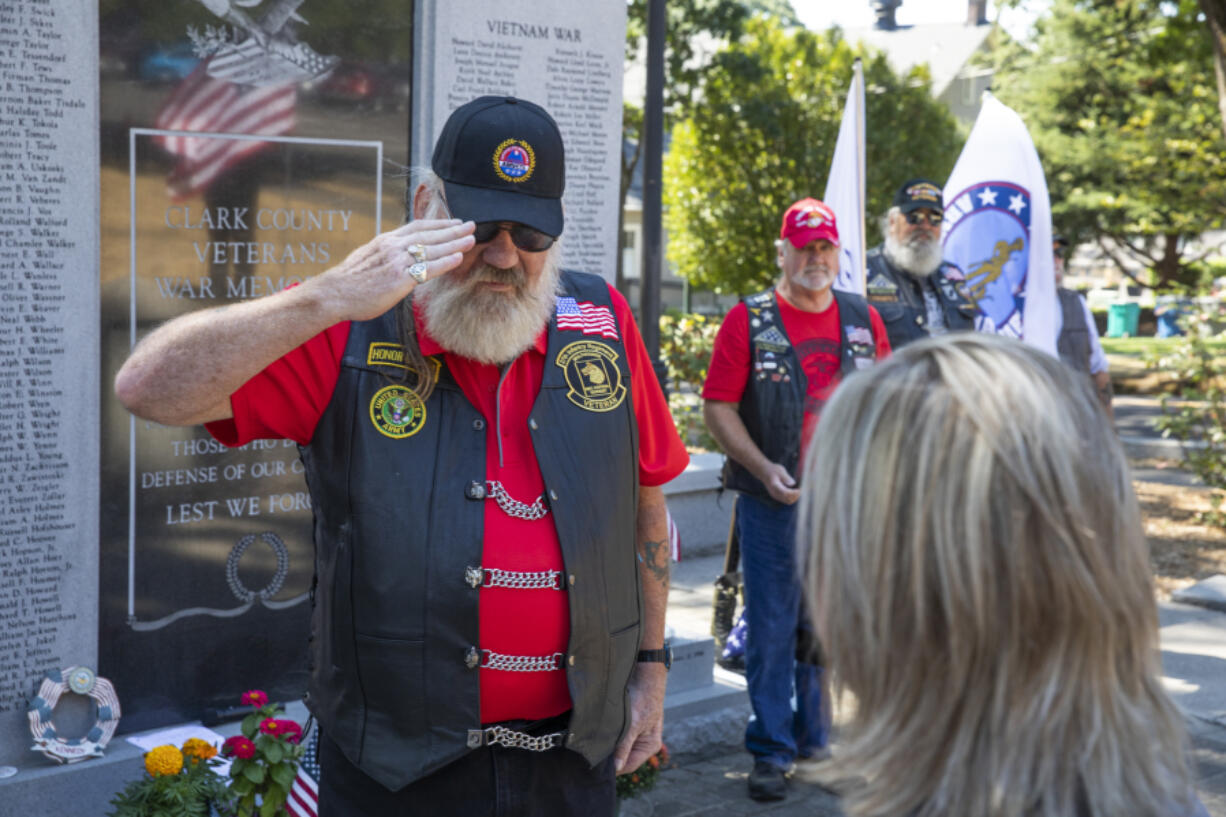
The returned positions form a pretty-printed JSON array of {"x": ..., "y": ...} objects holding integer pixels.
[{"x": 287, "y": 399}]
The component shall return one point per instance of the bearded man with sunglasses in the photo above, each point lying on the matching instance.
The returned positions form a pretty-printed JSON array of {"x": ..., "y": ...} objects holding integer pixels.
[
  {"x": 484, "y": 440},
  {"x": 916, "y": 293}
]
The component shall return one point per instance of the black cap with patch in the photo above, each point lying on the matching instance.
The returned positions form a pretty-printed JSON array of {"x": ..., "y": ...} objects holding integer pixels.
[
  {"x": 501, "y": 159},
  {"x": 919, "y": 194}
]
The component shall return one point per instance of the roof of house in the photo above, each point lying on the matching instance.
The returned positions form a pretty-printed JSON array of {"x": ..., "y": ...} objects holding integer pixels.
[{"x": 945, "y": 47}]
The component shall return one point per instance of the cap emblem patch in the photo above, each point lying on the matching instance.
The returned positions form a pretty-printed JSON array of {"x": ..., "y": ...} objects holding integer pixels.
[{"x": 514, "y": 161}]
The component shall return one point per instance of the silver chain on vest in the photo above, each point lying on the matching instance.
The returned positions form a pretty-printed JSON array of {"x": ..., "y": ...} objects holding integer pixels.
[
  {"x": 501, "y": 736},
  {"x": 521, "y": 663},
  {"x": 513, "y": 507},
  {"x": 514, "y": 579}
]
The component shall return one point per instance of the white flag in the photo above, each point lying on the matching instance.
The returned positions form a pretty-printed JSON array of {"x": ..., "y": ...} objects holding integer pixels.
[
  {"x": 845, "y": 188},
  {"x": 997, "y": 229}
]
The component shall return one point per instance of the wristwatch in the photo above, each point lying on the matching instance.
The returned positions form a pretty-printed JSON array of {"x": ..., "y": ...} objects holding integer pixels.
[{"x": 664, "y": 656}]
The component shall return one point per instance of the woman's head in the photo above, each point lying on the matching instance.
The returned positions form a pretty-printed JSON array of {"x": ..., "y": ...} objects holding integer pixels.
[{"x": 974, "y": 558}]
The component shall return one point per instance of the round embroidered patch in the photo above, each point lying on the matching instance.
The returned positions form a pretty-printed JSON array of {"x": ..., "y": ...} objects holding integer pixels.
[
  {"x": 594, "y": 381},
  {"x": 514, "y": 161},
  {"x": 397, "y": 412}
]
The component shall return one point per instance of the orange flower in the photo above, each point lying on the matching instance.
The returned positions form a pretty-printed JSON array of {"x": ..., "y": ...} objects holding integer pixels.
[
  {"x": 654, "y": 761},
  {"x": 198, "y": 750},
  {"x": 163, "y": 760}
]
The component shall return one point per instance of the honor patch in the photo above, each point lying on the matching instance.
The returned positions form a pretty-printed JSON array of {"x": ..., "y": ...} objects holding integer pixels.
[
  {"x": 591, "y": 372},
  {"x": 397, "y": 412},
  {"x": 385, "y": 354}
]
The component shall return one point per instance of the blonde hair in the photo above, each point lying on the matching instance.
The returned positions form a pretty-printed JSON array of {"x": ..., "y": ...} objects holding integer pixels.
[{"x": 974, "y": 557}]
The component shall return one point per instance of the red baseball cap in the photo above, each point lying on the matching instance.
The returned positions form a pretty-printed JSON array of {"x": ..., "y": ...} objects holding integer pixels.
[{"x": 808, "y": 220}]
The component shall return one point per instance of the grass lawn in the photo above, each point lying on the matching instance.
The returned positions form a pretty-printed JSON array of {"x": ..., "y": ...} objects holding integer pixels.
[{"x": 1140, "y": 347}]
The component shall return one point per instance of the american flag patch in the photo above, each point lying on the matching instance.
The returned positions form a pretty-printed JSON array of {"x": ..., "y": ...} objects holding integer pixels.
[
  {"x": 859, "y": 334},
  {"x": 585, "y": 317}
]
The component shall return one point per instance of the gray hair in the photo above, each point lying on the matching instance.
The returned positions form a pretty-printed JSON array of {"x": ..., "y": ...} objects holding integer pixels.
[{"x": 974, "y": 557}]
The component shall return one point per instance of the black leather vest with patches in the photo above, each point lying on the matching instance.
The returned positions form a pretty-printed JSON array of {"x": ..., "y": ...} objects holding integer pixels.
[
  {"x": 900, "y": 300},
  {"x": 399, "y": 519},
  {"x": 773, "y": 405}
]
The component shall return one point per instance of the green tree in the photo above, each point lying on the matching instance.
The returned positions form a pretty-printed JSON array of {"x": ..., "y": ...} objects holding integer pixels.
[
  {"x": 764, "y": 136},
  {"x": 1120, "y": 98}
]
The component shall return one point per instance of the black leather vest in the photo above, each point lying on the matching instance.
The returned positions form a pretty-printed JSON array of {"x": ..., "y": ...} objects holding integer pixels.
[
  {"x": 398, "y": 520},
  {"x": 773, "y": 405},
  {"x": 1073, "y": 344},
  {"x": 900, "y": 300}
]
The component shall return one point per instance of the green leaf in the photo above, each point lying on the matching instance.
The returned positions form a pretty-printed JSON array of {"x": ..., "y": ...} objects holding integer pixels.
[
  {"x": 273, "y": 752},
  {"x": 251, "y": 724},
  {"x": 284, "y": 774},
  {"x": 255, "y": 773}
]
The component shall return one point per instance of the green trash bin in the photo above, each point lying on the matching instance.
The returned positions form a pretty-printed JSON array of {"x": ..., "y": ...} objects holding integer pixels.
[{"x": 1122, "y": 320}]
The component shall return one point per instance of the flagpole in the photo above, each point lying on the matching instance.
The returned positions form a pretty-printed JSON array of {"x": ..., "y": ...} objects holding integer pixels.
[{"x": 857, "y": 81}]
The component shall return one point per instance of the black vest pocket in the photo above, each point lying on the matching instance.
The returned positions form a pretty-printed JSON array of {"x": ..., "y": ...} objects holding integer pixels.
[{"x": 392, "y": 674}]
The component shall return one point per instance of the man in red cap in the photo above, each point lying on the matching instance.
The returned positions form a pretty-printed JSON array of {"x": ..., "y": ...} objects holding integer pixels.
[{"x": 778, "y": 357}]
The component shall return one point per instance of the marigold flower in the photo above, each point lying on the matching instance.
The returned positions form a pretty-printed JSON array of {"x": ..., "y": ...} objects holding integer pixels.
[
  {"x": 255, "y": 697},
  {"x": 238, "y": 746},
  {"x": 634, "y": 778},
  {"x": 198, "y": 749},
  {"x": 654, "y": 761},
  {"x": 163, "y": 760}
]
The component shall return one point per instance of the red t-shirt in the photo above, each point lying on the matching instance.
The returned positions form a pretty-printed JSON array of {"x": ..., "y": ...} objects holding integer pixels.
[
  {"x": 287, "y": 399},
  {"x": 815, "y": 337}
]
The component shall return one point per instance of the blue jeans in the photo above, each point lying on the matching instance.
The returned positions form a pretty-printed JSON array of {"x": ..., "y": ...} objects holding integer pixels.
[{"x": 778, "y": 732}]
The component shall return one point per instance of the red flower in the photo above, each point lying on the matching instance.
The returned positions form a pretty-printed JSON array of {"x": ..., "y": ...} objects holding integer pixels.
[
  {"x": 255, "y": 697},
  {"x": 271, "y": 726},
  {"x": 290, "y": 730},
  {"x": 238, "y": 746}
]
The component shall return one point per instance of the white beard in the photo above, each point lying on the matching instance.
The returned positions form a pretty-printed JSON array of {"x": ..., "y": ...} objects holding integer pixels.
[
  {"x": 919, "y": 257},
  {"x": 484, "y": 325}
]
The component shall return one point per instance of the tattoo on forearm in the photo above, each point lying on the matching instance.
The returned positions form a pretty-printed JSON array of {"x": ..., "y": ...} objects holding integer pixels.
[{"x": 656, "y": 559}]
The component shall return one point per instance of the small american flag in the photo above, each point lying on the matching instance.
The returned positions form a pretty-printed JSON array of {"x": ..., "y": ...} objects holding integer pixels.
[
  {"x": 304, "y": 795},
  {"x": 586, "y": 317},
  {"x": 674, "y": 538}
]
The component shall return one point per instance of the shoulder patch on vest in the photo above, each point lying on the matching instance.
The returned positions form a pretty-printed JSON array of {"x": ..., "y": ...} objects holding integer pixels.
[
  {"x": 771, "y": 338},
  {"x": 397, "y": 412},
  {"x": 859, "y": 336},
  {"x": 594, "y": 381},
  {"x": 392, "y": 354}
]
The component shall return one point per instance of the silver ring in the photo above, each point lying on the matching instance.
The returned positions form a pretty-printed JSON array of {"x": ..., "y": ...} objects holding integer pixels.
[
  {"x": 418, "y": 272},
  {"x": 418, "y": 252}
]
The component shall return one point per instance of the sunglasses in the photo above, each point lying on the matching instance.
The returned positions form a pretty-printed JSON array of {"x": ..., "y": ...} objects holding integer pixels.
[
  {"x": 920, "y": 217},
  {"x": 528, "y": 239}
]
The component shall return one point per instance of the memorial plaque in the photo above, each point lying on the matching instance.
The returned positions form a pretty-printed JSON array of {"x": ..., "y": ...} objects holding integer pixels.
[
  {"x": 241, "y": 155},
  {"x": 565, "y": 56},
  {"x": 48, "y": 351}
]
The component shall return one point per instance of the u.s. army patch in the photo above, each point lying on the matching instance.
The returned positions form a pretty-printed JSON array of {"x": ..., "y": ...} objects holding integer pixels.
[
  {"x": 591, "y": 372},
  {"x": 397, "y": 412}
]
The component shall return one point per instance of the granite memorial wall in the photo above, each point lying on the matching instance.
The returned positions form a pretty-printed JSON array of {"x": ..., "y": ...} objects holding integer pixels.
[{"x": 159, "y": 157}]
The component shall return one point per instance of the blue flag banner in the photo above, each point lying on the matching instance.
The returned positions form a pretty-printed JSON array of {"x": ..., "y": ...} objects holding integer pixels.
[{"x": 997, "y": 229}]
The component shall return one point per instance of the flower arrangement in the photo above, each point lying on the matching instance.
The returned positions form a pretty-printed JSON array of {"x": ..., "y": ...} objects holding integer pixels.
[
  {"x": 178, "y": 782},
  {"x": 264, "y": 760},
  {"x": 632, "y": 784}
]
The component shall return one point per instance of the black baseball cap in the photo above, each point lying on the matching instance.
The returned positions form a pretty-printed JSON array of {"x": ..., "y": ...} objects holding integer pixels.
[
  {"x": 919, "y": 194},
  {"x": 501, "y": 159}
]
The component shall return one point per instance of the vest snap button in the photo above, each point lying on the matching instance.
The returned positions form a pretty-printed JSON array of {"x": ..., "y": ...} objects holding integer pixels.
[
  {"x": 571, "y": 660},
  {"x": 532, "y": 423},
  {"x": 572, "y": 580},
  {"x": 472, "y": 658},
  {"x": 479, "y": 424},
  {"x": 553, "y": 495},
  {"x": 475, "y": 490}
]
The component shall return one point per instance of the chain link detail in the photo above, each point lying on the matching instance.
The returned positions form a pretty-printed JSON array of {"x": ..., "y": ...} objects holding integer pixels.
[
  {"x": 515, "y": 579},
  {"x": 513, "y": 507},
  {"x": 501, "y": 736},
  {"x": 521, "y": 663}
]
